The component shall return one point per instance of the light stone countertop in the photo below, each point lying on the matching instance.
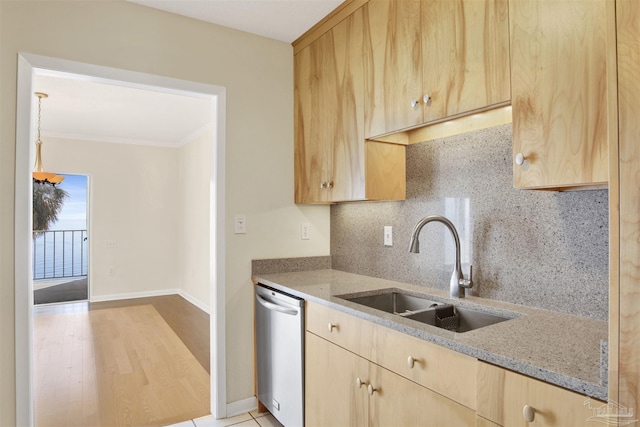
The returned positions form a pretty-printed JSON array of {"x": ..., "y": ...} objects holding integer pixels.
[{"x": 557, "y": 348}]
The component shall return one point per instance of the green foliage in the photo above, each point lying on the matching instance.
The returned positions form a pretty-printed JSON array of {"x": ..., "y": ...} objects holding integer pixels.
[{"x": 47, "y": 204}]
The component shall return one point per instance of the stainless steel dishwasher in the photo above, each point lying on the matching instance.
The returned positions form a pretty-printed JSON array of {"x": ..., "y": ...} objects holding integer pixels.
[{"x": 280, "y": 354}]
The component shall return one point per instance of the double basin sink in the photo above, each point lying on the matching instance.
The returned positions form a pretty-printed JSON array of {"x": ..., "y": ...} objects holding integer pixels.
[{"x": 426, "y": 310}]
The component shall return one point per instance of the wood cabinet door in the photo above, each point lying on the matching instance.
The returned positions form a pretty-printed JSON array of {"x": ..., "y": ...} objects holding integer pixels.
[
  {"x": 465, "y": 55},
  {"x": 332, "y": 395},
  {"x": 503, "y": 395},
  {"x": 560, "y": 93},
  {"x": 399, "y": 402},
  {"x": 393, "y": 65},
  {"x": 343, "y": 108},
  {"x": 329, "y": 116},
  {"x": 481, "y": 422},
  {"x": 309, "y": 150}
]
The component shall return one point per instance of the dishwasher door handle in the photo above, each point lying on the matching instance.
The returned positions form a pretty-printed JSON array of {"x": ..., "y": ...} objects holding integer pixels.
[{"x": 276, "y": 307}]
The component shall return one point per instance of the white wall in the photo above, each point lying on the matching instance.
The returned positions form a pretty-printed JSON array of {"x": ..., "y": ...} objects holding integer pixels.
[
  {"x": 154, "y": 203},
  {"x": 258, "y": 76},
  {"x": 193, "y": 199},
  {"x": 134, "y": 202}
]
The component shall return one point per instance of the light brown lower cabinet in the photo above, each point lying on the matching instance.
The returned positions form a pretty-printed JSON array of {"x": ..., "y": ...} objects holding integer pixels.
[
  {"x": 439, "y": 369},
  {"x": 332, "y": 397},
  {"x": 344, "y": 389},
  {"x": 483, "y": 422},
  {"x": 511, "y": 399},
  {"x": 358, "y": 373}
]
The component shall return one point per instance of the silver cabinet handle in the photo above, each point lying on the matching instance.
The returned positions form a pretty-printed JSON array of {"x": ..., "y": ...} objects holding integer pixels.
[
  {"x": 323, "y": 185},
  {"x": 520, "y": 159},
  {"x": 360, "y": 382},
  {"x": 330, "y": 327},
  {"x": 371, "y": 390},
  {"x": 329, "y": 184},
  {"x": 411, "y": 362},
  {"x": 426, "y": 100},
  {"x": 275, "y": 307},
  {"x": 529, "y": 413}
]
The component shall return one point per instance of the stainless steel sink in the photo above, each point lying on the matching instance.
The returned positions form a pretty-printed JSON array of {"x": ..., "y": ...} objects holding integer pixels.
[
  {"x": 428, "y": 311},
  {"x": 457, "y": 319},
  {"x": 394, "y": 302}
]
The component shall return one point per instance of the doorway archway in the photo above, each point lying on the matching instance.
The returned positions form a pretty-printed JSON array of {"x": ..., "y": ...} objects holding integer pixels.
[{"x": 28, "y": 65}]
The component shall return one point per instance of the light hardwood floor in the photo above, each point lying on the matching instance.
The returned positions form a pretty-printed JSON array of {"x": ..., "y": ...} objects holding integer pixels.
[{"x": 118, "y": 364}]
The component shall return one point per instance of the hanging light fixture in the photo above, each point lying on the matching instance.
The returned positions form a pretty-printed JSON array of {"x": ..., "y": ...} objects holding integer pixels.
[{"x": 39, "y": 175}]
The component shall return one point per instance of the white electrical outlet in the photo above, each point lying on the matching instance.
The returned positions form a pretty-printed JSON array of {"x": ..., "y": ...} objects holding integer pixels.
[
  {"x": 304, "y": 231},
  {"x": 110, "y": 244},
  {"x": 388, "y": 235},
  {"x": 240, "y": 224},
  {"x": 112, "y": 270}
]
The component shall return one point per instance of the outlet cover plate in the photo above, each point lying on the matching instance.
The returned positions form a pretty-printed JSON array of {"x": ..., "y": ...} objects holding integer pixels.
[{"x": 388, "y": 235}]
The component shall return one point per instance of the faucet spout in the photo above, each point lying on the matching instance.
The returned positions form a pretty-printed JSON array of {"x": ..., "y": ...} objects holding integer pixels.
[{"x": 457, "y": 283}]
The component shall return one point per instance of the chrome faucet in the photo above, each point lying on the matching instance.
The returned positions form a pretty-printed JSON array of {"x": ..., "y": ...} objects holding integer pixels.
[{"x": 458, "y": 283}]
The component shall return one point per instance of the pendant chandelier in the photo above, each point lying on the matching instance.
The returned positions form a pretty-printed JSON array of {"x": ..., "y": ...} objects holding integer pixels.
[{"x": 39, "y": 175}]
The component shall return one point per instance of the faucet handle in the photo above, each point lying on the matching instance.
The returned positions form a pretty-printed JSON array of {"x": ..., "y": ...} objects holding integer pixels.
[{"x": 467, "y": 283}]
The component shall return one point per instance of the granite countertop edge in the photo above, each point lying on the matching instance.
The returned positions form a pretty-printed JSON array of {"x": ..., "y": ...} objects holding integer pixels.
[{"x": 312, "y": 286}]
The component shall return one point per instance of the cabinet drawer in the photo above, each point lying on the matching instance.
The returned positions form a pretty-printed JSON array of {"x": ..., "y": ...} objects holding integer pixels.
[
  {"x": 444, "y": 371},
  {"x": 503, "y": 395},
  {"x": 347, "y": 331}
]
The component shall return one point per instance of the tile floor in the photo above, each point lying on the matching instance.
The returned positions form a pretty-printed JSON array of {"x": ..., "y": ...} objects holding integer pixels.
[{"x": 251, "y": 419}]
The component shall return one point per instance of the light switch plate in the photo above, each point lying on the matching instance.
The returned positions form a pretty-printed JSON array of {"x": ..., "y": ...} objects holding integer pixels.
[
  {"x": 388, "y": 235},
  {"x": 304, "y": 231},
  {"x": 240, "y": 224}
]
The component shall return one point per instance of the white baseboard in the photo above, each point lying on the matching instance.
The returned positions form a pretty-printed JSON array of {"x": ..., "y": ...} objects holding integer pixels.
[
  {"x": 242, "y": 406},
  {"x": 131, "y": 295},
  {"x": 158, "y": 293},
  {"x": 202, "y": 306}
]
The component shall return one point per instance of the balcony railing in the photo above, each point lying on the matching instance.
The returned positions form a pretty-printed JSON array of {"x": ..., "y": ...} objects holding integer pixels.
[{"x": 59, "y": 254}]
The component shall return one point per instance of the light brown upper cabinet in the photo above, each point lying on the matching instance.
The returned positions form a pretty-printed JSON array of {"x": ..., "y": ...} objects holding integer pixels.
[
  {"x": 393, "y": 65},
  {"x": 465, "y": 51},
  {"x": 332, "y": 161},
  {"x": 562, "y": 65},
  {"x": 429, "y": 60},
  {"x": 329, "y": 149}
]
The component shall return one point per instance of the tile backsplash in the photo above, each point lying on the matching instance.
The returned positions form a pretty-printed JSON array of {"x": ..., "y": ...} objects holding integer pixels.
[{"x": 537, "y": 248}]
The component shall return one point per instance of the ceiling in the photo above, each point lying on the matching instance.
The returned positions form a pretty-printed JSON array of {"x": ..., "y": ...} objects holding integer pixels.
[
  {"x": 90, "y": 111},
  {"x": 283, "y": 20}
]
